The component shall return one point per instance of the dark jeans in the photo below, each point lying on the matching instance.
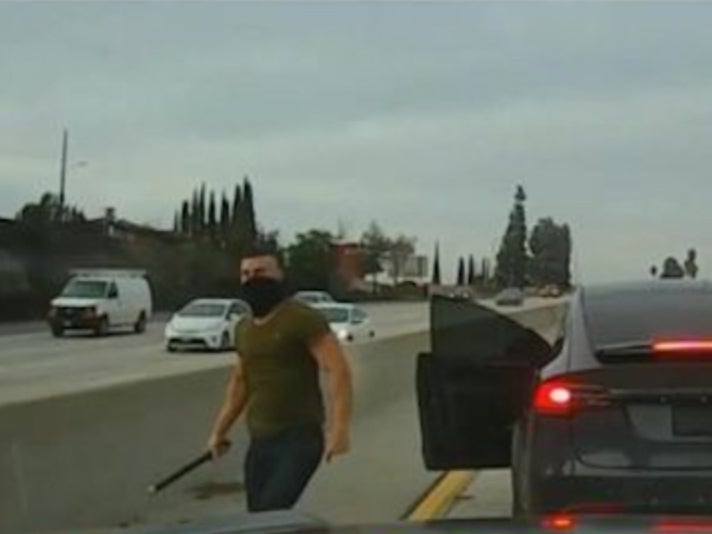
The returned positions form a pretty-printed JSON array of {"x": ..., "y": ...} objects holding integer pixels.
[{"x": 278, "y": 468}]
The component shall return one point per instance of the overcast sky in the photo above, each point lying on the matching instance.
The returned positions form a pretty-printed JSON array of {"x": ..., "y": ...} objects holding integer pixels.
[{"x": 421, "y": 116}]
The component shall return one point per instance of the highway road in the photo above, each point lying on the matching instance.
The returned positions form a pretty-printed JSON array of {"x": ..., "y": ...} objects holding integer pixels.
[
  {"x": 34, "y": 364},
  {"x": 377, "y": 481}
]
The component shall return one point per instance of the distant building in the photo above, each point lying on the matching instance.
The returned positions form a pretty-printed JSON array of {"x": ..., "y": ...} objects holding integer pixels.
[{"x": 414, "y": 269}]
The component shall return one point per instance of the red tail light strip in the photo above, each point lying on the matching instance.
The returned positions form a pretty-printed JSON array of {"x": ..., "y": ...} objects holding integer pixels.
[{"x": 683, "y": 346}]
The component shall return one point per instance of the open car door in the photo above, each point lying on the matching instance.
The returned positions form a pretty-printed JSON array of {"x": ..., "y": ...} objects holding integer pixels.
[{"x": 474, "y": 384}]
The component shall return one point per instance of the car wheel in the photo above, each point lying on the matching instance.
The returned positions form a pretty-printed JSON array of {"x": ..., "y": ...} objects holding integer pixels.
[
  {"x": 171, "y": 347},
  {"x": 102, "y": 329},
  {"x": 57, "y": 331},
  {"x": 372, "y": 334},
  {"x": 140, "y": 324}
]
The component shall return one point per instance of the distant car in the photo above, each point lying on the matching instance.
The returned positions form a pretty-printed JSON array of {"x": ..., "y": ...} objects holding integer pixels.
[
  {"x": 314, "y": 297},
  {"x": 347, "y": 321},
  {"x": 512, "y": 296},
  {"x": 207, "y": 324},
  {"x": 461, "y": 294},
  {"x": 550, "y": 291},
  {"x": 102, "y": 299}
]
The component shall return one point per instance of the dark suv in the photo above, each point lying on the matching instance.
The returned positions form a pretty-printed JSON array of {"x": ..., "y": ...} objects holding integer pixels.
[{"x": 614, "y": 415}]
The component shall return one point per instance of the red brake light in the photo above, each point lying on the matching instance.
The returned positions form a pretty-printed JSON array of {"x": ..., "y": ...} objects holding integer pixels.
[
  {"x": 683, "y": 346},
  {"x": 558, "y": 522},
  {"x": 553, "y": 398}
]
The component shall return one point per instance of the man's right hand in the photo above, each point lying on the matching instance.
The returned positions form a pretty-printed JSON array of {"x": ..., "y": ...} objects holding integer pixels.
[{"x": 218, "y": 445}]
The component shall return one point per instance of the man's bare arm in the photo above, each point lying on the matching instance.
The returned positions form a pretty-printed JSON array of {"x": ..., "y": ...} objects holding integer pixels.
[
  {"x": 328, "y": 353},
  {"x": 231, "y": 409}
]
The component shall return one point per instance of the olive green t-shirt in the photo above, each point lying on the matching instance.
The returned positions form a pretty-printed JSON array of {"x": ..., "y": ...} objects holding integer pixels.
[{"x": 281, "y": 375}]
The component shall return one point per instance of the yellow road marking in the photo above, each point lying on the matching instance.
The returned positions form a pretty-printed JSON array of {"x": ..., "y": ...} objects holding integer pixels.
[{"x": 439, "y": 500}]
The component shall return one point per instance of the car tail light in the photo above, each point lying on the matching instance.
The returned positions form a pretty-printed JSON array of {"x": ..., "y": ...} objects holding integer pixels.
[
  {"x": 560, "y": 396},
  {"x": 686, "y": 346},
  {"x": 553, "y": 398},
  {"x": 558, "y": 522}
]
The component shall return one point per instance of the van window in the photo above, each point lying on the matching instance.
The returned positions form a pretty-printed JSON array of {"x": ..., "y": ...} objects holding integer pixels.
[{"x": 85, "y": 289}]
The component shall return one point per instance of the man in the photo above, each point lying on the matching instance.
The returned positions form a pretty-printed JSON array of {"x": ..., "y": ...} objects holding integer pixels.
[{"x": 281, "y": 349}]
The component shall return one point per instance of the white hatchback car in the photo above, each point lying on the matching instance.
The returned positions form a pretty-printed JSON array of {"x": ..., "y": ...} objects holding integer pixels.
[
  {"x": 347, "y": 321},
  {"x": 205, "y": 324}
]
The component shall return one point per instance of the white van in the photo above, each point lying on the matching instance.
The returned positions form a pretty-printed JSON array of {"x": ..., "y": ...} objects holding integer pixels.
[{"x": 100, "y": 300}]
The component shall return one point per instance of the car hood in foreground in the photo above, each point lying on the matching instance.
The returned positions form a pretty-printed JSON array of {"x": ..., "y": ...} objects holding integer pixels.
[{"x": 295, "y": 522}]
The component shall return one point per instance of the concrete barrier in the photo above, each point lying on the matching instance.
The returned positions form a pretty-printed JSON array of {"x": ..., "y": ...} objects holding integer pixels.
[{"x": 85, "y": 459}]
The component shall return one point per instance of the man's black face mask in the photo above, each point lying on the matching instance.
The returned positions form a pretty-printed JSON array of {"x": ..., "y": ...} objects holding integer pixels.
[{"x": 263, "y": 294}]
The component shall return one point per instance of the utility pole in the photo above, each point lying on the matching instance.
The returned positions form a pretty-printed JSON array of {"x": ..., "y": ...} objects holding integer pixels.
[{"x": 63, "y": 175}]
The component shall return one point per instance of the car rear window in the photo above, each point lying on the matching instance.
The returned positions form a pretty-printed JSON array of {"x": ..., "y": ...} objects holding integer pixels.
[{"x": 645, "y": 316}]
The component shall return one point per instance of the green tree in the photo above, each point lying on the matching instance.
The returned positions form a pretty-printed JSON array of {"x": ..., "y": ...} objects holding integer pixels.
[
  {"x": 461, "y": 271},
  {"x": 48, "y": 211},
  {"x": 550, "y": 245},
  {"x": 269, "y": 240},
  {"x": 691, "y": 263},
  {"x": 212, "y": 217},
  {"x": 375, "y": 245},
  {"x": 672, "y": 268},
  {"x": 202, "y": 210},
  {"x": 484, "y": 271},
  {"x": 401, "y": 248},
  {"x": 245, "y": 227},
  {"x": 309, "y": 260},
  {"x": 225, "y": 221},
  {"x": 236, "y": 202},
  {"x": 471, "y": 271},
  {"x": 195, "y": 225},
  {"x": 250, "y": 218},
  {"x": 512, "y": 255},
  {"x": 436, "y": 266},
  {"x": 185, "y": 218}
]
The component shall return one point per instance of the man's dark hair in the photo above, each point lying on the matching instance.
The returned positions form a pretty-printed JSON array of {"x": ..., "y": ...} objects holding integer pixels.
[{"x": 258, "y": 250}]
